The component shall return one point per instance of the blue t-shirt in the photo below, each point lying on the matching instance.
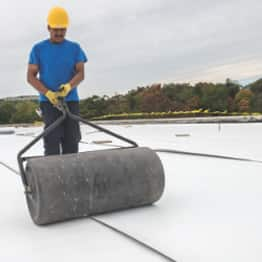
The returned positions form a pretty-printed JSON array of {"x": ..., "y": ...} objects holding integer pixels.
[{"x": 57, "y": 64}]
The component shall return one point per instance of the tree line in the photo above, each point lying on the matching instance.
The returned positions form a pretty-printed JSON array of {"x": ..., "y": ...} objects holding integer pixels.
[
  {"x": 171, "y": 97},
  {"x": 224, "y": 97}
]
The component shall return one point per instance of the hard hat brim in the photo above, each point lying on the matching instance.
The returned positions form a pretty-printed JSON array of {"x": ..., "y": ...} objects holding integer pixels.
[{"x": 60, "y": 26}]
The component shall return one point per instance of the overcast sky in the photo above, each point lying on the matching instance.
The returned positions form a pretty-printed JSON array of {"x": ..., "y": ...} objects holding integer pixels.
[{"x": 131, "y": 43}]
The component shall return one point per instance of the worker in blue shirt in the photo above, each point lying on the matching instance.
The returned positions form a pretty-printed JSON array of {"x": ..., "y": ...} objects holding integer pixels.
[{"x": 60, "y": 66}]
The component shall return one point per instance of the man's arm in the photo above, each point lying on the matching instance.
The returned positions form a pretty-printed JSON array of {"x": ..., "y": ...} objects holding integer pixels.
[
  {"x": 79, "y": 76},
  {"x": 32, "y": 79}
]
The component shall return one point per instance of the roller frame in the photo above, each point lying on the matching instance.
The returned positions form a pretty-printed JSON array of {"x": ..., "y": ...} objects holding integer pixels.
[{"x": 62, "y": 106}]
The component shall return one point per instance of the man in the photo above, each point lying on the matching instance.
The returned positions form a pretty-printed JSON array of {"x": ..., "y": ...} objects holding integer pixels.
[{"x": 60, "y": 65}]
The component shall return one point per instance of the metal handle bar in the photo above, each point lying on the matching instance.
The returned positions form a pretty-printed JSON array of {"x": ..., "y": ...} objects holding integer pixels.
[{"x": 62, "y": 106}]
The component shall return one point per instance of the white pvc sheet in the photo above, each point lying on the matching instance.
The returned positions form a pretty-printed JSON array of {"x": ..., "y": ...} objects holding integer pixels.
[
  {"x": 238, "y": 140},
  {"x": 210, "y": 210}
]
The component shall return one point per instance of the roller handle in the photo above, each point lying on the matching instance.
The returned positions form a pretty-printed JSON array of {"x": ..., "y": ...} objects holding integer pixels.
[{"x": 62, "y": 106}]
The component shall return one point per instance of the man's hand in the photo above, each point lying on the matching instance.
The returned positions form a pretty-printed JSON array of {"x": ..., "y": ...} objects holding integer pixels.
[
  {"x": 64, "y": 90},
  {"x": 52, "y": 97}
]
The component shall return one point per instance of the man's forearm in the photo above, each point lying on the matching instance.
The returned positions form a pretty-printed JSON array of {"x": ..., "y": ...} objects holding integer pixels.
[
  {"x": 38, "y": 85},
  {"x": 77, "y": 79}
]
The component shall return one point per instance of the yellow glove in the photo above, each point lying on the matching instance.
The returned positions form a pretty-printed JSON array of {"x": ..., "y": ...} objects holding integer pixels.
[
  {"x": 64, "y": 90},
  {"x": 52, "y": 97}
]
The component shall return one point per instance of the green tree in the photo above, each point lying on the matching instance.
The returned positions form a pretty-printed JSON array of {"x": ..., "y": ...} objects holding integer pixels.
[
  {"x": 7, "y": 109},
  {"x": 255, "y": 87},
  {"x": 93, "y": 106},
  {"x": 25, "y": 112}
]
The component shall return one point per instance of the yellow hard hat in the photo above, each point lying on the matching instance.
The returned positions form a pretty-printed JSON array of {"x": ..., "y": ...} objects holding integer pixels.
[{"x": 58, "y": 18}]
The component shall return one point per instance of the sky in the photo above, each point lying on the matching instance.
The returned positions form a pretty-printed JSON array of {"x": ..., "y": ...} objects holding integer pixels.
[{"x": 132, "y": 43}]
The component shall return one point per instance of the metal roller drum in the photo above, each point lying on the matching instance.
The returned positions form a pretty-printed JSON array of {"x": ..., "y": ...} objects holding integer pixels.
[{"x": 88, "y": 183}]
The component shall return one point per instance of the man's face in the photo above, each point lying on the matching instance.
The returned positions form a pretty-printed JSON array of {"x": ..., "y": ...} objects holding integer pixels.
[{"x": 57, "y": 35}]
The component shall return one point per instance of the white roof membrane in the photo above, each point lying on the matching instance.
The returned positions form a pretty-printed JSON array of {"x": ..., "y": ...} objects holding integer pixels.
[{"x": 210, "y": 210}]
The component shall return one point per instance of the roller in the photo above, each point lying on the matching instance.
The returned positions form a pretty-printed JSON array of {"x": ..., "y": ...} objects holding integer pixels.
[{"x": 64, "y": 187}]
